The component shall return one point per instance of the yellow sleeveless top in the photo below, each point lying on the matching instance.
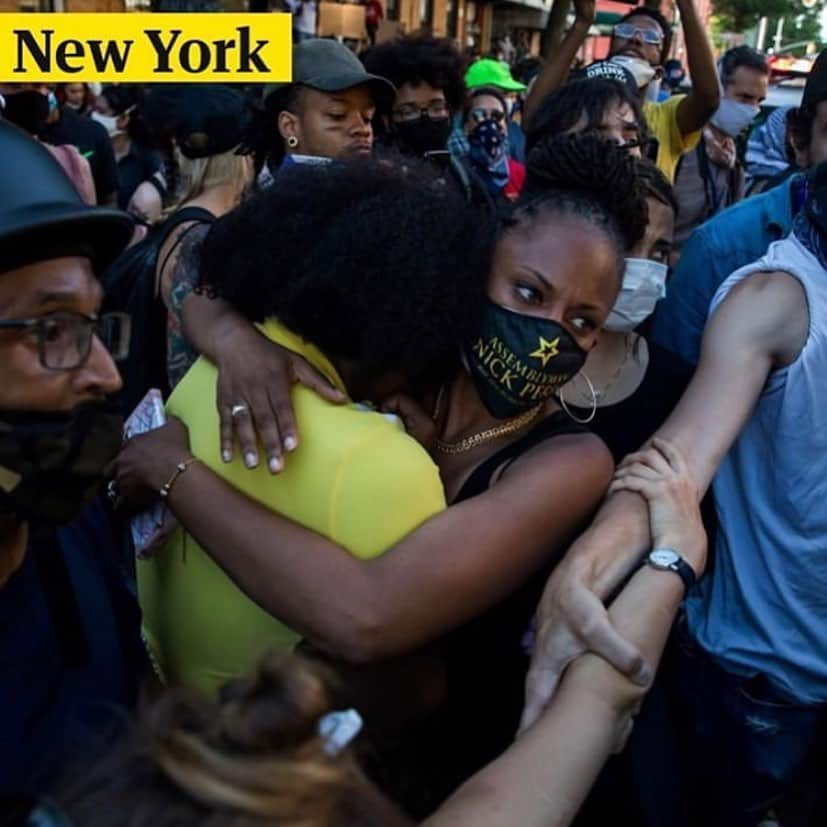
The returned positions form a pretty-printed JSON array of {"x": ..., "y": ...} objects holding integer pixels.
[{"x": 356, "y": 478}]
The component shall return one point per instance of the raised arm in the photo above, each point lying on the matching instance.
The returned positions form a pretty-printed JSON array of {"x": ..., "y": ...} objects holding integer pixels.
[
  {"x": 556, "y": 68},
  {"x": 542, "y": 779},
  {"x": 761, "y": 324},
  {"x": 695, "y": 110},
  {"x": 453, "y": 567}
]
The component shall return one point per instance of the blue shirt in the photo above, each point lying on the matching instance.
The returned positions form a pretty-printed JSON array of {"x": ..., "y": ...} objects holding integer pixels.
[
  {"x": 70, "y": 653},
  {"x": 731, "y": 240}
]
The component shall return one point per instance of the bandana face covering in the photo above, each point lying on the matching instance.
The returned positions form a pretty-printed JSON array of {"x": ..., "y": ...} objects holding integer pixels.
[
  {"x": 519, "y": 361},
  {"x": 644, "y": 285},
  {"x": 487, "y": 153},
  {"x": 53, "y": 464}
]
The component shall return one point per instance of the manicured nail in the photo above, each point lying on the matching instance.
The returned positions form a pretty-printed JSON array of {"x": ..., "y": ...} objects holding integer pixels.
[
  {"x": 226, "y": 455},
  {"x": 290, "y": 443},
  {"x": 251, "y": 459},
  {"x": 274, "y": 465}
]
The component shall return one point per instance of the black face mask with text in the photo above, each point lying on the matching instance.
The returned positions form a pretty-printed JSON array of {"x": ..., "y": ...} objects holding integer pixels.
[
  {"x": 53, "y": 464},
  {"x": 422, "y": 135},
  {"x": 519, "y": 361}
]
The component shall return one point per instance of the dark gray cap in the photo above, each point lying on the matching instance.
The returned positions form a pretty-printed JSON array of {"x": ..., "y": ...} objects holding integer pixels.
[{"x": 330, "y": 66}]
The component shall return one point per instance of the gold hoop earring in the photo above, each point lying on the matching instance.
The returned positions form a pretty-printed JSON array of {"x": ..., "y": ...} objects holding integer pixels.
[
  {"x": 292, "y": 142},
  {"x": 593, "y": 413}
]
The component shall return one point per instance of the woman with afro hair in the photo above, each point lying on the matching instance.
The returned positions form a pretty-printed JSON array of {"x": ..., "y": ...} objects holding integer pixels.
[{"x": 520, "y": 476}]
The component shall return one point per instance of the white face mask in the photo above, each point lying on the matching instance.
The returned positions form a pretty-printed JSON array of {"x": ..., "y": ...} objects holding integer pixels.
[
  {"x": 108, "y": 122},
  {"x": 641, "y": 69},
  {"x": 732, "y": 117},
  {"x": 644, "y": 284}
]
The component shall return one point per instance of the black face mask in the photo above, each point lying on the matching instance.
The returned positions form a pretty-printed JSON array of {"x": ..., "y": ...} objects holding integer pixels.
[
  {"x": 29, "y": 110},
  {"x": 519, "y": 361},
  {"x": 422, "y": 135},
  {"x": 52, "y": 464}
]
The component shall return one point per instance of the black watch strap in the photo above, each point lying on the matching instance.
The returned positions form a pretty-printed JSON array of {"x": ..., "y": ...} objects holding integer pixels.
[{"x": 667, "y": 559}]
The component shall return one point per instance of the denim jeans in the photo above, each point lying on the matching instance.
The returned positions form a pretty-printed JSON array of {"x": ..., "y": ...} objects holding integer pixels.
[{"x": 744, "y": 746}]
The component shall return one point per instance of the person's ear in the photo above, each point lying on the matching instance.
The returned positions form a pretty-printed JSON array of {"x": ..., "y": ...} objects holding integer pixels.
[{"x": 289, "y": 128}]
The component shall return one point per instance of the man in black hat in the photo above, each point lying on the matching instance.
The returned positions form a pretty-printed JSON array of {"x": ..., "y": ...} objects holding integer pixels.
[
  {"x": 328, "y": 109},
  {"x": 68, "y": 626}
]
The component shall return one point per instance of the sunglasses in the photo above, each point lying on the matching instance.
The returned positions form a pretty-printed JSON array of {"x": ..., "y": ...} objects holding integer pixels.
[
  {"x": 65, "y": 339},
  {"x": 627, "y": 32},
  {"x": 435, "y": 111},
  {"x": 480, "y": 114}
]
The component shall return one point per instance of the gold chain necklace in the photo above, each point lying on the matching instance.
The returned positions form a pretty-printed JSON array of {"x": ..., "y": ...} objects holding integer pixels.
[{"x": 470, "y": 442}]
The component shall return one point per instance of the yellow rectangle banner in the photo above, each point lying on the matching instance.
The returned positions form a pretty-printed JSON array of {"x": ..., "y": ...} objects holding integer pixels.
[{"x": 145, "y": 48}]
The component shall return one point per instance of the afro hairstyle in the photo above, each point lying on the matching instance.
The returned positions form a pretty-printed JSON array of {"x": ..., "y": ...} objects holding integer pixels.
[
  {"x": 418, "y": 59},
  {"x": 374, "y": 262}
]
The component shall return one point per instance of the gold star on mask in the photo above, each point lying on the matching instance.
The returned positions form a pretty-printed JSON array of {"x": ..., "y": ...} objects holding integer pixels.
[{"x": 547, "y": 350}]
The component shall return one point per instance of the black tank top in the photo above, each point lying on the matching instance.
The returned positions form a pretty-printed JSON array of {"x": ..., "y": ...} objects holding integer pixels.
[
  {"x": 558, "y": 424},
  {"x": 486, "y": 660}
]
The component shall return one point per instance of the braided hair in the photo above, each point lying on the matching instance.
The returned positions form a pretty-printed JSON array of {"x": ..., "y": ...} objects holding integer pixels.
[{"x": 589, "y": 177}]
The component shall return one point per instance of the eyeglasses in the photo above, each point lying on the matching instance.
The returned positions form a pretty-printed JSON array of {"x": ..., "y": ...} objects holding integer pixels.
[
  {"x": 627, "y": 32},
  {"x": 480, "y": 114},
  {"x": 436, "y": 111},
  {"x": 65, "y": 339}
]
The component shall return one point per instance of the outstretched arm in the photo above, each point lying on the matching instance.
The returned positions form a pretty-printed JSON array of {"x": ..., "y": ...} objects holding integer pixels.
[
  {"x": 761, "y": 325},
  {"x": 700, "y": 104},
  {"x": 542, "y": 779},
  {"x": 556, "y": 69},
  {"x": 454, "y": 566}
]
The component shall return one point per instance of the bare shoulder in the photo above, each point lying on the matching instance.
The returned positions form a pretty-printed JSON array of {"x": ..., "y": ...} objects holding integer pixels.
[
  {"x": 566, "y": 460},
  {"x": 768, "y": 310}
]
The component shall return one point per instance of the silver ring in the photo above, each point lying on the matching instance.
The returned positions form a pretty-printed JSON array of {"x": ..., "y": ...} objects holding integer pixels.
[
  {"x": 237, "y": 410},
  {"x": 112, "y": 492}
]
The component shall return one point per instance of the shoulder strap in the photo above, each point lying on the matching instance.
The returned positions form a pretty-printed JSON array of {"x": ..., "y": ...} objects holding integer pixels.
[{"x": 198, "y": 215}]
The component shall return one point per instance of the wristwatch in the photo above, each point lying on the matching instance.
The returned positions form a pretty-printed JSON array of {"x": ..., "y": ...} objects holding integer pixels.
[{"x": 667, "y": 559}]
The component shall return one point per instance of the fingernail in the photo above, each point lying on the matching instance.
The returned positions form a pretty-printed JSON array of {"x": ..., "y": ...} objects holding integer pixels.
[
  {"x": 250, "y": 459},
  {"x": 274, "y": 465},
  {"x": 226, "y": 455},
  {"x": 290, "y": 443}
]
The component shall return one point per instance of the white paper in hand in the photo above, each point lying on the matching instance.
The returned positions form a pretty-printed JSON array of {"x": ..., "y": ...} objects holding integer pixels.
[{"x": 146, "y": 527}]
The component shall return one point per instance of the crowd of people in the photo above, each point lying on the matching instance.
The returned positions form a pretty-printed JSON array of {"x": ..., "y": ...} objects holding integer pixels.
[{"x": 489, "y": 486}]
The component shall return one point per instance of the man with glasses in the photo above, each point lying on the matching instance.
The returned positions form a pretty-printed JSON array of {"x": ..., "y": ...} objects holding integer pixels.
[
  {"x": 68, "y": 626},
  {"x": 427, "y": 74},
  {"x": 640, "y": 43}
]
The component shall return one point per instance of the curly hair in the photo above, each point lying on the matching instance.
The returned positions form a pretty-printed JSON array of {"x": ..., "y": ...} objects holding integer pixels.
[
  {"x": 251, "y": 758},
  {"x": 418, "y": 59},
  {"x": 373, "y": 262},
  {"x": 590, "y": 177},
  {"x": 564, "y": 109}
]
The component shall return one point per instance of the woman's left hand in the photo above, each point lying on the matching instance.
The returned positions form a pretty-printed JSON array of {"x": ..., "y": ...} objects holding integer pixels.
[{"x": 146, "y": 462}]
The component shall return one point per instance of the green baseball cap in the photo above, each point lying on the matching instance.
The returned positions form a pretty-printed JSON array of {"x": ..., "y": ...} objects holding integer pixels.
[{"x": 488, "y": 72}]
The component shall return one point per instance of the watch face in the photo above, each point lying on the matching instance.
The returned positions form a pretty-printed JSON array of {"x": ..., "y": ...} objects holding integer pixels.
[{"x": 664, "y": 557}]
